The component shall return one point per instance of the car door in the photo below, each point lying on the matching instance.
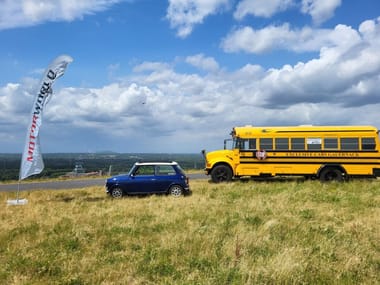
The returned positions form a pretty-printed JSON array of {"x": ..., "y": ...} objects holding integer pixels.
[
  {"x": 143, "y": 180},
  {"x": 165, "y": 176}
]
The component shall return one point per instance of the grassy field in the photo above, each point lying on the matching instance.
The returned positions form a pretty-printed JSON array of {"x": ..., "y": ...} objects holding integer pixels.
[{"x": 284, "y": 232}]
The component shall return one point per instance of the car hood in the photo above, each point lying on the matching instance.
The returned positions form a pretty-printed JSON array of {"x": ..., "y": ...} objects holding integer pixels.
[{"x": 119, "y": 177}]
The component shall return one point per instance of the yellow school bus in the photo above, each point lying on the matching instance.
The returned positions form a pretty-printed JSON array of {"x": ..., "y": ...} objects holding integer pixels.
[{"x": 319, "y": 152}]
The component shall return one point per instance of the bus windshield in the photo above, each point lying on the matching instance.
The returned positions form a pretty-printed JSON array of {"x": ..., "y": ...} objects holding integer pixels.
[{"x": 229, "y": 144}]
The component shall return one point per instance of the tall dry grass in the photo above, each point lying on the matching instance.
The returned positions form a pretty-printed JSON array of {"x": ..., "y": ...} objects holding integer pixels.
[{"x": 285, "y": 232}]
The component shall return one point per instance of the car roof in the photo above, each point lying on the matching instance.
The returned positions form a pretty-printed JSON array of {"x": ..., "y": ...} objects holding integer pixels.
[{"x": 156, "y": 163}]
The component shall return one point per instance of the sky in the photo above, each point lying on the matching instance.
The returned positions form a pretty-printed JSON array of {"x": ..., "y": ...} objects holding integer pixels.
[{"x": 176, "y": 76}]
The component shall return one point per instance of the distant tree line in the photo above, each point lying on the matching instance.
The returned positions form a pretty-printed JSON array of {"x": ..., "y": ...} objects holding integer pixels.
[{"x": 59, "y": 164}]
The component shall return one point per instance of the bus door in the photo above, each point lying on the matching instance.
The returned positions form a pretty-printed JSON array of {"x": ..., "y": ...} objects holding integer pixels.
[{"x": 245, "y": 153}]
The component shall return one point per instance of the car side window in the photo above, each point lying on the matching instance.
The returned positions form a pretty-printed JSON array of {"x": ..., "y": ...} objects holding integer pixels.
[
  {"x": 165, "y": 170},
  {"x": 145, "y": 170}
]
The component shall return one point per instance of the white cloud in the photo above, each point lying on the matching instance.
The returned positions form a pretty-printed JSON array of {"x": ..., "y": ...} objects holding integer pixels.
[
  {"x": 282, "y": 37},
  {"x": 32, "y": 12},
  {"x": 161, "y": 109},
  {"x": 150, "y": 66},
  {"x": 257, "y": 41},
  {"x": 185, "y": 14},
  {"x": 341, "y": 75},
  {"x": 370, "y": 30},
  {"x": 260, "y": 8},
  {"x": 320, "y": 10},
  {"x": 202, "y": 62}
]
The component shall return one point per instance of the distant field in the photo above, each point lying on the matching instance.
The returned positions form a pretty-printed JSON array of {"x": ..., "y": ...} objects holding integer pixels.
[
  {"x": 250, "y": 232},
  {"x": 60, "y": 164}
]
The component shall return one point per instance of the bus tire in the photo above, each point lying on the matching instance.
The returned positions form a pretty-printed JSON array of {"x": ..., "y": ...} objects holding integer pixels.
[
  {"x": 331, "y": 174},
  {"x": 221, "y": 173}
]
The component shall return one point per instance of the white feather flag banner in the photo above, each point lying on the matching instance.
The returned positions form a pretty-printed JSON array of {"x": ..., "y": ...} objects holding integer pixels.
[{"x": 31, "y": 162}]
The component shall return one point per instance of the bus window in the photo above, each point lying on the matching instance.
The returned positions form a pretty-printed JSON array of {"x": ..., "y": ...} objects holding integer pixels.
[
  {"x": 240, "y": 144},
  {"x": 266, "y": 143},
  {"x": 298, "y": 143},
  {"x": 245, "y": 144},
  {"x": 368, "y": 143},
  {"x": 252, "y": 143},
  {"x": 349, "y": 143},
  {"x": 314, "y": 143},
  {"x": 282, "y": 143},
  {"x": 330, "y": 143}
]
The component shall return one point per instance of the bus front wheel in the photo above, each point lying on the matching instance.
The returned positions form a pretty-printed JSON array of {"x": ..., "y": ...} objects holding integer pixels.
[
  {"x": 221, "y": 173},
  {"x": 331, "y": 174}
]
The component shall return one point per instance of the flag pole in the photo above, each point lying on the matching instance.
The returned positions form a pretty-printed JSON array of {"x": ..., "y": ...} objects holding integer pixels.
[
  {"x": 18, "y": 201},
  {"x": 18, "y": 190}
]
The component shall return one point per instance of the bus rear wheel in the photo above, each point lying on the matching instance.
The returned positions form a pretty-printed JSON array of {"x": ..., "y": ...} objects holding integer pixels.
[
  {"x": 331, "y": 174},
  {"x": 221, "y": 173}
]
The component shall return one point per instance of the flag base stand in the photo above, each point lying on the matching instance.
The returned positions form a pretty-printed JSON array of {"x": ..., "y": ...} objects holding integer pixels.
[{"x": 17, "y": 202}]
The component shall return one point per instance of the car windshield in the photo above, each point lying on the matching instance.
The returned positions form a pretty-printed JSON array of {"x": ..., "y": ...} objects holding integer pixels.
[{"x": 130, "y": 172}]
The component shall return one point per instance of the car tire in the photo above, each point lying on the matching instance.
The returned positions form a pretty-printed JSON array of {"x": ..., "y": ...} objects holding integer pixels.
[
  {"x": 176, "y": 191},
  {"x": 117, "y": 193}
]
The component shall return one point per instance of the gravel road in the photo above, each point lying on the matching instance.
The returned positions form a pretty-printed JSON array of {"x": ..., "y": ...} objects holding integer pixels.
[{"x": 67, "y": 184}]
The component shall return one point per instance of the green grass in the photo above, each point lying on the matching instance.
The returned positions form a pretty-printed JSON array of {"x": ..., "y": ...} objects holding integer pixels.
[{"x": 235, "y": 233}]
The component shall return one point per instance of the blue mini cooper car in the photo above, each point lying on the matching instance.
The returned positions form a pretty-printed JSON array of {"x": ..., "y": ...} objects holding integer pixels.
[{"x": 148, "y": 178}]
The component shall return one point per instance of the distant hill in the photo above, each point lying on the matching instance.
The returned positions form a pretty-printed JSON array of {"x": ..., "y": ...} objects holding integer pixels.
[{"x": 57, "y": 164}]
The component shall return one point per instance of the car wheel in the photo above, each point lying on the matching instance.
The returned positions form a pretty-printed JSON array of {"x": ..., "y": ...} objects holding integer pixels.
[
  {"x": 117, "y": 193},
  {"x": 221, "y": 173},
  {"x": 176, "y": 191}
]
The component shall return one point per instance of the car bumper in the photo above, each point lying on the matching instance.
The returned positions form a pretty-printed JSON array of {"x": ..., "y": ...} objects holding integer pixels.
[{"x": 188, "y": 192}]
